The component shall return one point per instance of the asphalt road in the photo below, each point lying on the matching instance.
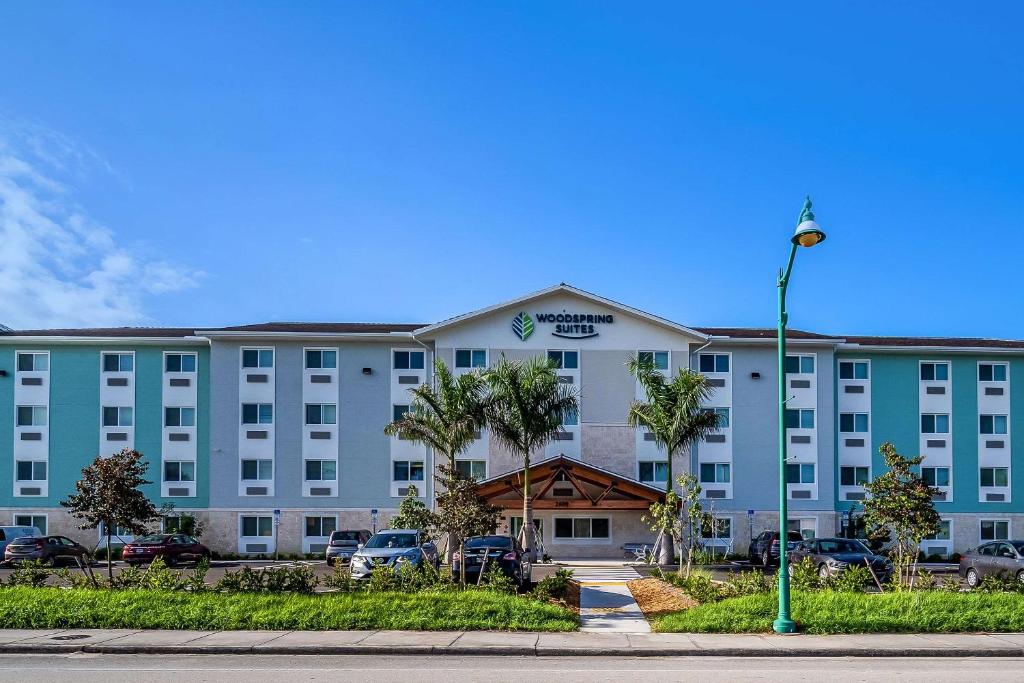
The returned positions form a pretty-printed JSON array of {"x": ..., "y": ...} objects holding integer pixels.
[{"x": 84, "y": 668}]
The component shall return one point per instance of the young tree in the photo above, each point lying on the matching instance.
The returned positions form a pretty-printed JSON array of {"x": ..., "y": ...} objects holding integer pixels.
[
  {"x": 463, "y": 513},
  {"x": 665, "y": 518},
  {"x": 900, "y": 502},
  {"x": 108, "y": 495},
  {"x": 413, "y": 513},
  {"x": 445, "y": 417},
  {"x": 527, "y": 407},
  {"x": 674, "y": 413}
]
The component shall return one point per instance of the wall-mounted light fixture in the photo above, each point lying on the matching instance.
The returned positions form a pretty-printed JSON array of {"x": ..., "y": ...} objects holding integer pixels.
[
  {"x": 755, "y": 375},
  {"x": 3, "y": 373},
  {"x": 367, "y": 371}
]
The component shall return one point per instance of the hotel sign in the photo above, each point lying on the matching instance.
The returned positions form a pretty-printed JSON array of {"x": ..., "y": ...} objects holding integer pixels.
[{"x": 566, "y": 325}]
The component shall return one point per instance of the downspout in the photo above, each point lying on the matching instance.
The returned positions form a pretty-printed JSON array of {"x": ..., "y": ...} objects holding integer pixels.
[{"x": 430, "y": 451}]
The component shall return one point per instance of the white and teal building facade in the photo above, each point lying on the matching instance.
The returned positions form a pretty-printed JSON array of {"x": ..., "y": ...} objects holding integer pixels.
[{"x": 272, "y": 434}]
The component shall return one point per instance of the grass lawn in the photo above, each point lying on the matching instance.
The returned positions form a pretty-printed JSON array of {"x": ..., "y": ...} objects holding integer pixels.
[
  {"x": 828, "y": 612},
  {"x": 470, "y": 610}
]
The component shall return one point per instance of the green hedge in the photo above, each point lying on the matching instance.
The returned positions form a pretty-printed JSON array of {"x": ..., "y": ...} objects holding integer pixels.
[
  {"x": 86, "y": 608},
  {"x": 834, "y": 612}
]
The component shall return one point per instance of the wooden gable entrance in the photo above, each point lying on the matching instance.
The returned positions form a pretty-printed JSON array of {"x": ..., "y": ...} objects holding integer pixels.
[{"x": 564, "y": 483}]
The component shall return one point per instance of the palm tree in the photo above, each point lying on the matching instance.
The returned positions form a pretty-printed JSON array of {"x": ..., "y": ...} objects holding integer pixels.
[
  {"x": 674, "y": 413},
  {"x": 527, "y": 407},
  {"x": 446, "y": 417}
]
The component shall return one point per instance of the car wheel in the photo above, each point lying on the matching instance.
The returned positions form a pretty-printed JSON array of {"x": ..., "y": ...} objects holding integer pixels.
[
  {"x": 1020, "y": 576},
  {"x": 789, "y": 569},
  {"x": 823, "y": 572},
  {"x": 330, "y": 562},
  {"x": 766, "y": 558},
  {"x": 972, "y": 578}
]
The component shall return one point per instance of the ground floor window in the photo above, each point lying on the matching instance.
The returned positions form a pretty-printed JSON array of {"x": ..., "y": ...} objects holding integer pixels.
[
  {"x": 179, "y": 524},
  {"x": 582, "y": 527},
  {"x": 805, "y": 527},
  {"x": 515, "y": 527},
  {"x": 38, "y": 521},
  {"x": 654, "y": 472},
  {"x": 253, "y": 525},
  {"x": 472, "y": 469},
  {"x": 319, "y": 527},
  {"x": 995, "y": 530},
  {"x": 944, "y": 533},
  {"x": 717, "y": 527}
]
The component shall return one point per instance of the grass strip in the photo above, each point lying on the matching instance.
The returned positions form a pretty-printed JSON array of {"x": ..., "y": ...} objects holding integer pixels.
[{"x": 469, "y": 610}]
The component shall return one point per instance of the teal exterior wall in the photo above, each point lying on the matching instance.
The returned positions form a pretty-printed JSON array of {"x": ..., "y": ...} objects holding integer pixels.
[{"x": 7, "y": 427}]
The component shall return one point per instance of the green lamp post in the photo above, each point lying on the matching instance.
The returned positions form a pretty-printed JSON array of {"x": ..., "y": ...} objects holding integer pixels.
[{"x": 807, "y": 234}]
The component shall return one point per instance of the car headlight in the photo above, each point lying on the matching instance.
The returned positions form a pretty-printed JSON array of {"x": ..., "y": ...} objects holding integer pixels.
[
  {"x": 835, "y": 563},
  {"x": 358, "y": 559},
  {"x": 409, "y": 556}
]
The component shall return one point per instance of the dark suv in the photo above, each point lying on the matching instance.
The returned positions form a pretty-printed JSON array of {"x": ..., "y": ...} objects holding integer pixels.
[{"x": 764, "y": 549}]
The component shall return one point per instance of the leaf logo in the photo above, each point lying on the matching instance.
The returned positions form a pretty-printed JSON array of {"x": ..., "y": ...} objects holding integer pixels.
[{"x": 522, "y": 325}]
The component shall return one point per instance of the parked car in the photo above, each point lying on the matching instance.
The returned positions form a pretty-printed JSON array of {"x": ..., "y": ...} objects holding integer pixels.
[
  {"x": 834, "y": 555},
  {"x": 173, "y": 548},
  {"x": 9, "y": 533},
  {"x": 392, "y": 548},
  {"x": 343, "y": 544},
  {"x": 992, "y": 559},
  {"x": 49, "y": 549},
  {"x": 503, "y": 551},
  {"x": 764, "y": 548}
]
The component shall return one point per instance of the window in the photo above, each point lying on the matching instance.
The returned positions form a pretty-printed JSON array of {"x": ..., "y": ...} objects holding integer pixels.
[
  {"x": 321, "y": 359},
  {"x": 408, "y": 470},
  {"x": 570, "y": 419},
  {"x": 799, "y": 418},
  {"x": 654, "y": 472},
  {"x": 853, "y": 476},
  {"x": 320, "y": 527},
  {"x": 991, "y": 372},
  {"x": 799, "y": 473},
  {"x": 473, "y": 469},
  {"x": 995, "y": 476},
  {"x": 565, "y": 360},
  {"x": 118, "y": 362},
  {"x": 257, "y": 358},
  {"x": 934, "y": 372},
  {"x": 257, "y": 526},
  {"x": 30, "y": 470},
  {"x": 944, "y": 533},
  {"x": 853, "y": 369},
  {"x": 257, "y": 413},
  {"x": 178, "y": 524},
  {"x": 175, "y": 470},
  {"x": 714, "y": 362},
  {"x": 31, "y": 416},
  {"x": 659, "y": 359},
  {"x": 408, "y": 360},
  {"x": 807, "y": 528},
  {"x": 935, "y": 424},
  {"x": 180, "y": 362},
  {"x": 723, "y": 416},
  {"x": 257, "y": 470},
  {"x": 853, "y": 422},
  {"x": 321, "y": 470},
  {"x": 992, "y": 424},
  {"x": 38, "y": 521},
  {"x": 935, "y": 476},
  {"x": 719, "y": 527},
  {"x": 321, "y": 413},
  {"x": 569, "y": 528},
  {"x": 117, "y": 416},
  {"x": 799, "y": 365},
  {"x": 398, "y": 411},
  {"x": 33, "y": 362},
  {"x": 995, "y": 530},
  {"x": 715, "y": 473},
  {"x": 470, "y": 358},
  {"x": 179, "y": 417}
]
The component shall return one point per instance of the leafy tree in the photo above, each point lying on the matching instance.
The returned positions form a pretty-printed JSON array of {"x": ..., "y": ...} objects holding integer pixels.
[
  {"x": 446, "y": 417},
  {"x": 527, "y": 407},
  {"x": 665, "y": 519},
  {"x": 108, "y": 495},
  {"x": 674, "y": 413},
  {"x": 413, "y": 513},
  {"x": 900, "y": 503},
  {"x": 186, "y": 523},
  {"x": 462, "y": 512}
]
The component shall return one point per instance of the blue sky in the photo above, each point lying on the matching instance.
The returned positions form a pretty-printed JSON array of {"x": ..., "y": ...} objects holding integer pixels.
[{"x": 218, "y": 163}]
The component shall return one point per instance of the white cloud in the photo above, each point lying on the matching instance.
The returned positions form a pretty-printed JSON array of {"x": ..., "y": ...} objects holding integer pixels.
[{"x": 59, "y": 268}]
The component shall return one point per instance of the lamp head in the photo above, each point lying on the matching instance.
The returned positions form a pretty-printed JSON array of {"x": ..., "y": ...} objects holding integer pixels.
[{"x": 807, "y": 232}]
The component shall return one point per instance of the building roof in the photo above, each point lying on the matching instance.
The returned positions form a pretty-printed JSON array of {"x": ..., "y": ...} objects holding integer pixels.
[
  {"x": 323, "y": 328},
  {"x": 951, "y": 342},
  {"x": 105, "y": 332},
  {"x": 761, "y": 333}
]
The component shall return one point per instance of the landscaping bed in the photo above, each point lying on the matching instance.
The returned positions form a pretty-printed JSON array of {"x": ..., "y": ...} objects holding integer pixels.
[{"x": 657, "y": 598}]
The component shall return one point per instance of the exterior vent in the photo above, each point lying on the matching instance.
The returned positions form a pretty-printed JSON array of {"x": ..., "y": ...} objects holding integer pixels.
[
  {"x": 317, "y": 547},
  {"x": 117, "y": 436},
  {"x": 255, "y": 547},
  {"x": 716, "y": 382},
  {"x": 178, "y": 492},
  {"x": 320, "y": 491},
  {"x": 993, "y": 444},
  {"x": 256, "y": 379},
  {"x": 31, "y": 436},
  {"x": 477, "y": 436},
  {"x": 993, "y": 391},
  {"x": 855, "y": 495},
  {"x": 935, "y": 443},
  {"x": 714, "y": 493},
  {"x": 565, "y": 379},
  {"x": 995, "y": 497},
  {"x": 800, "y": 384},
  {"x": 255, "y": 490},
  {"x": 403, "y": 490},
  {"x": 805, "y": 495},
  {"x": 715, "y": 438},
  {"x": 649, "y": 437},
  {"x": 854, "y": 388},
  {"x": 32, "y": 381},
  {"x": 799, "y": 438},
  {"x": 935, "y": 390},
  {"x": 178, "y": 436},
  {"x": 935, "y": 550},
  {"x": 254, "y": 434},
  {"x": 320, "y": 379},
  {"x": 941, "y": 495},
  {"x": 320, "y": 435},
  {"x": 117, "y": 381},
  {"x": 855, "y": 443},
  {"x": 561, "y": 491},
  {"x": 562, "y": 436},
  {"x": 179, "y": 382},
  {"x": 408, "y": 379},
  {"x": 30, "y": 491}
]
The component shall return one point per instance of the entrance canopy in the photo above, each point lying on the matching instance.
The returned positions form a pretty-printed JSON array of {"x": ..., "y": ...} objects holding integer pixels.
[{"x": 564, "y": 483}]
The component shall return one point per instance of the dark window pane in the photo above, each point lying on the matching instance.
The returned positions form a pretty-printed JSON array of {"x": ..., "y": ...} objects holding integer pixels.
[
  {"x": 563, "y": 527},
  {"x": 463, "y": 358},
  {"x": 570, "y": 360},
  {"x": 707, "y": 362},
  {"x": 599, "y": 528},
  {"x": 314, "y": 362},
  {"x": 415, "y": 360},
  {"x": 250, "y": 358}
]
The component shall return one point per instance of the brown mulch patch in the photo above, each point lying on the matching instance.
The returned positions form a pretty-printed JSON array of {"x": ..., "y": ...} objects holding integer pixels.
[{"x": 658, "y": 598}]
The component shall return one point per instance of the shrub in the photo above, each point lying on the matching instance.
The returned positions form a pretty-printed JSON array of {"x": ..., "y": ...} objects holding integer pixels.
[
  {"x": 999, "y": 583},
  {"x": 196, "y": 579},
  {"x": 850, "y": 580},
  {"x": 158, "y": 577},
  {"x": 555, "y": 587},
  {"x": 950, "y": 584},
  {"x": 32, "y": 573},
  {"x": 954, "y": 558},
  {"x": 246, "y": 580},
  {"x": 494, "y": 579},
  {"x": 382, "y": 580},
  {"x": 130, "y": 577},
  {"x": 341, "y": 579},
  {"x": 73, "y": 579},
  {"x": 298, "y": 579},
  {"x": 804, "y": 575},
  {"x": 751, "y": 583},
  {"x": 115, "y": 553},
  {"x": 926, "y": 581}
]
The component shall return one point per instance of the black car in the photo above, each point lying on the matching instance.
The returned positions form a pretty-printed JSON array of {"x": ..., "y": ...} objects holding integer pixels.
[
  {"x": 835, "y": 555},
  {"x": 997, "y": 558},
  {"x": 504, "y": 551},
  {"x": 764, "y": 549}
]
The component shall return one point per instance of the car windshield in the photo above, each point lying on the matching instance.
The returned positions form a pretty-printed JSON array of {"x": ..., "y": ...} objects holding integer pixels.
[
  {"x": 392, "y": 541},
  {"x": 155, "y": 539},
  {"x": 345, "y": 536},
  {"x": 843, "y": 546},
  {"x": 1019, "y": 545},
  {"x": 489, "y": 542}
]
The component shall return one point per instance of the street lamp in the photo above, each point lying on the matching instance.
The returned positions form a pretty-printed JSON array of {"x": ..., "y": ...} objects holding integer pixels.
[{"x": 807, "y": 234}]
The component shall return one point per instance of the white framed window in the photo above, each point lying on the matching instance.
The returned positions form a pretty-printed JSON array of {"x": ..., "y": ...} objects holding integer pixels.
[
  {"x": 935, "y": 423},
  {"x": 321, "y": 413},
  {"x": 723, "y": 416},
  {"x": 713, "y": 362},
  {"x": 800, "y": 473},
  {"x": 992, "y": 372},
  {"x": 799, "y": 418},
  {"x": 807, "y": 527},
  {"x": 30, "y": 470},
  {"x": 31, "y": 416},
  {"x": 321, "y": 470},
  {"x": 118, "y": 362},
  {"x": 582, "y": 528},
  {"x": 934, "y": 372},
  {"x": 935, "y": 476},
  {"x": 320, "y": 526},
  {"x": 571, "y": 419},
  {"x": 564, "y": 360},
  {"x": 257, "y": 470},
  {"x": 38, "y": 521},
  {"x": 179, "y": 471},
  {"x": 472, "y": 469},
  {"x": 853, "y": 369},
  {"x": 659, "y": 359},
  {"x": 179, "y": 417},
  {"x": 992, "y": 424},
  {"x": 719, "y": 527},
  {"x": 854, "y": 476},
  {"x": 321, "y": 359},
  {"x": 408, "y": 360},
  {"x": 33, "y": 361},
  {"x": 994, "y": 529},
  {"x": 470, "y": 358},
  {"x": 254, "y": 526},
  {"x": 799, "y": 365},
  {"x": 653, "y": 472},
  {"x": 257, "y": 413},
  {"x": 118, "y": 416},
  {"x": 407, "y": 470},
  {"x": 991, "y": 477},
  {"x": 257, "y": 358},
  {"x": 945, "y": 532},
  {"x": 853, "y": 423},
  {"x": 715, "y": 473},
  {"x": 179, "y": 362}
]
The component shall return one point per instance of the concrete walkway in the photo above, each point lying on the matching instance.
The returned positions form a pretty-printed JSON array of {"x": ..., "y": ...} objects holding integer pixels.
[
  {"x": 606, "y": 605},
  {"x": 127, "y": 641}
]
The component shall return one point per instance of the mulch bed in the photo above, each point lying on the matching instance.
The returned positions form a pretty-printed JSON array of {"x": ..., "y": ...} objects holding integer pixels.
[{"x": 657, "y": 598}]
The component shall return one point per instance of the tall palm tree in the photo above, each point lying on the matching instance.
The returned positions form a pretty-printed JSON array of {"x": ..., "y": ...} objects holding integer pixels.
[
  {"x": 526, "y": 408},
  {"x": 446, "y": 417},
  {"x": 674, "y": 413}
]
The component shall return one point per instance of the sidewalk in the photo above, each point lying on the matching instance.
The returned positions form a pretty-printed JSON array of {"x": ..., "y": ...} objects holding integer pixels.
[{"x": 126, "y": 641}]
